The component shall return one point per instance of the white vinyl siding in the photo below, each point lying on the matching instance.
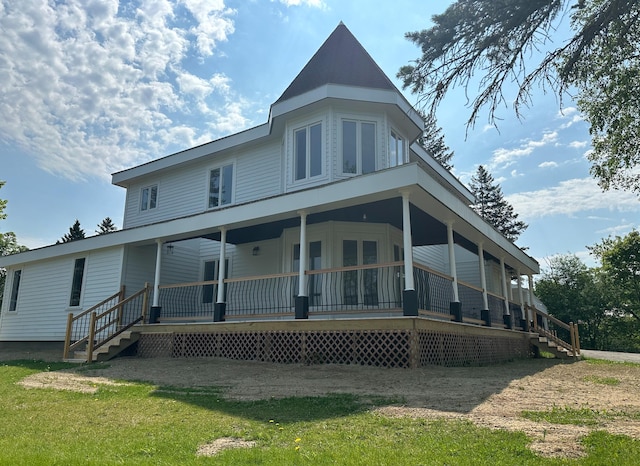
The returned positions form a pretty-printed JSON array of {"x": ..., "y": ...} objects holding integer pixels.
[
  {"x": 42, "y": 310},
  {"x": 184, "y": 190}
]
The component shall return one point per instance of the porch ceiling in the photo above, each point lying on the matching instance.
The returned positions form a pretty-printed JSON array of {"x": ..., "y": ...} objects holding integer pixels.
[{"x": 425, "y": 229}]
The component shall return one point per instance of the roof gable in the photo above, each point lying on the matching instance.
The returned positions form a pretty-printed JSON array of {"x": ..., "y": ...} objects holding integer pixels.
[{"x": 340, "y": 60}]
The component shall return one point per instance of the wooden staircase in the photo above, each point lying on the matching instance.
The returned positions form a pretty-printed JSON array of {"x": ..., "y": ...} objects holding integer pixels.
[
  {"x": 109, "y": 350},
  {"x": 544, "y": 344}
]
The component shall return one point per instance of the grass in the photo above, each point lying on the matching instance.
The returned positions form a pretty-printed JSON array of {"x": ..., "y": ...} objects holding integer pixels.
[
  {"x": 578, "y": 416},
  {"x": 143, "y": 424},
  {"x": 601, "y": 380}
]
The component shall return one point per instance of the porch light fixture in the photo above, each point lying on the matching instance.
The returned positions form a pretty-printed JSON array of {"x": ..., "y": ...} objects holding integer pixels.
[
  {"x": 170, "y": 249},
  {"x": 256, "y": 251},
  {"x": 364, "y": 217}
]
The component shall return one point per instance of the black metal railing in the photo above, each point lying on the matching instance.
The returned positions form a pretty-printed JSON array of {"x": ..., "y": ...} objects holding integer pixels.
[
  {"x": 434, "y": 290},
  {"x": 471, "y": 299}
]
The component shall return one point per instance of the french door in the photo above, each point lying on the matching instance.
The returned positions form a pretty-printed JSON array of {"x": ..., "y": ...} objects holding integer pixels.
[{"x": 360, "y": 286}]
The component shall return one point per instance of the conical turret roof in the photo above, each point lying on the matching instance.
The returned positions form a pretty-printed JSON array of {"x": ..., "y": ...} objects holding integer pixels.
[{"x": 340, "y": 60}]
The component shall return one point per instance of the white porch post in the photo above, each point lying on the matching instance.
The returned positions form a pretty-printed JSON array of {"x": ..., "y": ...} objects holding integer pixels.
[
  {"x": 302, "y": 300},
  {"x": 407, "y": 243},
  {"x": 532, "y": 317},
  {"x": 155, "y": 305},
  {"x": 220, "y": 307},
  {"x": 521, "y": 300},
  {"x": 455, "y": 307},
  {"x": 452, "y": 261},
  {"x": 483, "y": 277},
  {"x": 505, "y": 294},
  {"x": 409, "y": 295}
]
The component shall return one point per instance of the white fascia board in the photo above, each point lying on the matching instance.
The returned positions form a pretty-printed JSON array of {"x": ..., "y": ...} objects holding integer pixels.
[
  {"x": 367, "y": 188},
  {"x": 337, "y": 91},
  {"x": 122, "y": 178},
  {"x": 278, "y": 207},
  {"x": 498, "y": 245},
  {"x": 445, "y": 174}
]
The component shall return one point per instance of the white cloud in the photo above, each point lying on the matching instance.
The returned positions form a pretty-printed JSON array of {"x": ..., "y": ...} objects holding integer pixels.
[
  {"x": 549, "y": 164},
  {"x": 570, "y": 197},
  {"x": 619, "y": 230},
  {"x": 91, "y": 87},
  {"x": 311, "y": 3},
  {"x": 578, "y": 144},
  {"x": 504, "y": 157}
]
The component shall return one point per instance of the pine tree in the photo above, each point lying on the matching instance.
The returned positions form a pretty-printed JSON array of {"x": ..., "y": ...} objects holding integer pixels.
[
  {"x": 106, "y": 226},
  {"x": 491, "y": 205},
  {"x": 432, "y": 140},
  {"x": 75, "y": 233}
]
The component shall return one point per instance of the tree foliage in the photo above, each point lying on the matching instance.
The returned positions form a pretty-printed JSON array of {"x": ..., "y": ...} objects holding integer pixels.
[
  {"x": 620, "y": 257},
  {"x": 604, "y": 300},
  {"x": 432, "y": 141},
  {"x": 75, "y": 233},
  {"x": 106, "y": 226},
  {"x": 494, "y": 43},
  {"x": 574, "y": 293},
  {"x": 8, "y": 244},
  {"x": 493, "y": 207}
]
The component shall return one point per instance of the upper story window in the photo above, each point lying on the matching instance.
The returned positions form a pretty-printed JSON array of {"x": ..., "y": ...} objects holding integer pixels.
[
  {"x": 149, "y": 197},
  {"x": 307, "y": 152},
  {"x": 358, "y": 147},
  {"x": 396, "y": 149},
  {"x": 221, "y": 186},
  {"x": 76, "y": 284},
  {"x": 15, "y": 288}
]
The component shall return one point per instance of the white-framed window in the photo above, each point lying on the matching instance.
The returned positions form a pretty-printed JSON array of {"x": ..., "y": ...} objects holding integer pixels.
[
  {"x": 220, "y": 186},
  {"x": 396, "y": 149},
  {"x": 358, "y": 147},
  {"x": 149, "y": 197},
  {"x": 77, "y": 282},
  {"x": 307, "y": 152},
  {"x": 15, "y": 289}
]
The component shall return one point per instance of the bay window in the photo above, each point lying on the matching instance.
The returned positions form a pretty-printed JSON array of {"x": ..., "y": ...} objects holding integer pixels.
[
  {"x": 358, "y": 147},
  {"x": 307, "y": 152}
]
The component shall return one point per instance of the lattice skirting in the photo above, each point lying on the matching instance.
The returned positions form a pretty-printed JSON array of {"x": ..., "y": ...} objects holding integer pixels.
[{"x": 389, "y": 348}]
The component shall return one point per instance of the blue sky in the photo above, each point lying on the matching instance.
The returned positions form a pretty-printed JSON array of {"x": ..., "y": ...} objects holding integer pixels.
[{"x": 88, "y": 88}]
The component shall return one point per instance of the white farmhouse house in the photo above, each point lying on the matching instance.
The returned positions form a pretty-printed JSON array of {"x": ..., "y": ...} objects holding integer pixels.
[{"x": 329, "y": 211}]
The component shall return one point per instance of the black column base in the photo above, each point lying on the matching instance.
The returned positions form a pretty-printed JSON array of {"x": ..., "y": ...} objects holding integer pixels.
[
  {"x": 485, "y": 315},
  {"x": 523, "y": 324},
  {"x": 410, "y": 303},
  {"x": 455, "y": 309},
  {"x": 219, "y": 310},
  {"x": 508, "y": 321},
  {"x": 154, "y": 314},
  {"x": 302, "y": 307}
]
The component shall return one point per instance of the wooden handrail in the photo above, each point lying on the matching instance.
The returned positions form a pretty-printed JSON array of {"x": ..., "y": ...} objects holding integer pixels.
[{"x": 574, "y": 346}]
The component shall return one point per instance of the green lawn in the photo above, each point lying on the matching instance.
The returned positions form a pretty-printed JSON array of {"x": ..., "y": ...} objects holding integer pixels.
[{"x": 143, "y": 424}]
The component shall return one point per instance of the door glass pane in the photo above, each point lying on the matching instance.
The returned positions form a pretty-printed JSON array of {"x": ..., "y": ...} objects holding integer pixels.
[
  {"x": 301, "y": 154},
  {"x": 210, "y": 269},
  {"x": 76, "y": 285},
  {"x": 349, "y": 147},
  {"x": 350, "y": 283},
  {"x": 315, "y": 142},
  {"x": 315, "y": 281},
  {"x": 368, "y": 147},
  {"x": 370, "y": 276},
  {"x": 15, "y": 288}
]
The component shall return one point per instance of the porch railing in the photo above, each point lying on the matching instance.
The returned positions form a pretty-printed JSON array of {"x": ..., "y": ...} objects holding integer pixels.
[
  {"x": 373, "y": 289},
  {"x": 571, "y": 329},
  {"x": 104, "y": 321}
]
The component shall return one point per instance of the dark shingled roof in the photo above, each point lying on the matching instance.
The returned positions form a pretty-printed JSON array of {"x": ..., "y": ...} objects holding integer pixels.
[{"x": 340, "y": 60}]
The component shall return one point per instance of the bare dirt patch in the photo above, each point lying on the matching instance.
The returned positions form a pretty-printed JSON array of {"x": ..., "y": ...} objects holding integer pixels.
[
  {"x": 66, "y": 381},
  {"x": 224, "y": 443},
  {"x": 492, "y": 396}
]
